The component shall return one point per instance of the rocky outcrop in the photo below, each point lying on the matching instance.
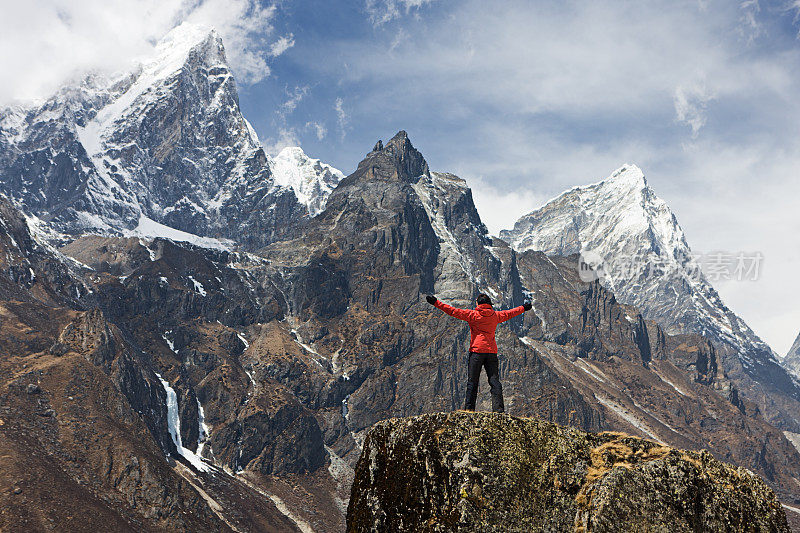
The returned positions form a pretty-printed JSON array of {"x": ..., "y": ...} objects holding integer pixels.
[
  {"x": 29, "y": 264},
  {"x": 485, "y": 472}
]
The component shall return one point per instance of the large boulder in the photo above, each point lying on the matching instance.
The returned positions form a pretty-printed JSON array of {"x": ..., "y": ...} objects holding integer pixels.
[{"x": 490, "y": 472}]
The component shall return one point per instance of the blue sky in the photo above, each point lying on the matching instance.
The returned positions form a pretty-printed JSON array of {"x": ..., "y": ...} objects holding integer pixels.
[{"x": 522, "y": 99}]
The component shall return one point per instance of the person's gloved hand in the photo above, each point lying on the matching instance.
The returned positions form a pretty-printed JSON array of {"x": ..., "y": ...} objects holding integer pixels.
[
  {"x": 431, "y": 299},
  {"x": 527, "y": 305}
]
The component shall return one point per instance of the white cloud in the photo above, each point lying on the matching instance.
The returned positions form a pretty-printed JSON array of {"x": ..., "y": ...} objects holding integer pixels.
[
  {"x": 289, "y": 136},
  {"x": 690, "y": 105},
  {"x": 398, "y": 39},
  {"x": 318, "y": 128},
  {"x": 286, "y": 137},
  {"x": 295, "y": 96},
  {"x": 341, "y": 117},
  {"x": 750, "y": 28},
  {"x": 500, "y": 209},
  {"x": 382, "y": 11},
  {"x": 583, "y": 58},
  {"x": 793, "y": 6},
  {"x": 45, "y": 43},
  {"x": 281, "y": 45}
]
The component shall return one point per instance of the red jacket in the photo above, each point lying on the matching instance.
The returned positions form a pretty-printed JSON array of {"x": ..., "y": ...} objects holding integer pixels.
[{"x": 482, "y": 322}]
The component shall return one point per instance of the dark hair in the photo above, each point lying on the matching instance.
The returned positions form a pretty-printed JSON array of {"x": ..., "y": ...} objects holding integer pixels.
[{"x": 484, "y": 299}]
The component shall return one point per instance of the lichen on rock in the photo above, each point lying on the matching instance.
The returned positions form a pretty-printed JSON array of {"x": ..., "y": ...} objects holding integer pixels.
[{"x": 490, "y": 472}]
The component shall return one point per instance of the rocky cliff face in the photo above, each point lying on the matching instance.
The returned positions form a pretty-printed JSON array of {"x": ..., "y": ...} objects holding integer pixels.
[
  {"x": 311, "y": 180},
  {"x": 649, "y": 264},
  {"x": 84, "y": 417},
  {"x": 485, "y": 472}
]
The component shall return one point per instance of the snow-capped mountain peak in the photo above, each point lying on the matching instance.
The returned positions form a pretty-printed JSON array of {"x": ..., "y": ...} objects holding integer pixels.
[
  {"x": 647, "y": 263},
  {"x": 589, "y": 216},
  {"x": 171, "y": 55},
  {"x": 627, "y": 178},
  {"x": 647, "y": 260},
  {"x": 310, "y": 179},
  {"x": 165, "y": 142}
]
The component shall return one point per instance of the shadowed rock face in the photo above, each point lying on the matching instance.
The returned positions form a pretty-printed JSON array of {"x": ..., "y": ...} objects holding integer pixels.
[
  {"x": 84, "y": 444},
  {"x": 486, "y": 472}
]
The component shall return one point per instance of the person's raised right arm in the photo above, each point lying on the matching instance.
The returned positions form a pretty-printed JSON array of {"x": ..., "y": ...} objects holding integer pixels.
[{"x": 461, "y": 314}]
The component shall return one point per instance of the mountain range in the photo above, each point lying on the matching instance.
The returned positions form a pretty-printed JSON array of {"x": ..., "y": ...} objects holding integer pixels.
[{"x": 197, "y": 336}]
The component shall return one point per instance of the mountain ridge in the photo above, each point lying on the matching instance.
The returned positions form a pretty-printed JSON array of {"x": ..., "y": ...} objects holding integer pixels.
[
  {"x": 315, "y": 339},
  {"x": 792, "y": 358}
]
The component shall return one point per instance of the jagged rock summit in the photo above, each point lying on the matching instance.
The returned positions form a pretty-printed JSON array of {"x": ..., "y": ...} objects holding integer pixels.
[
  {"x": 397, "y": 160},
  {"x": 486, "y": 472}
]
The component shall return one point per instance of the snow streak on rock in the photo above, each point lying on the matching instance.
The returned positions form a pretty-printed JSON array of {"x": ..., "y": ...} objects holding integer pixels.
[{"x": 174, "y": 426}]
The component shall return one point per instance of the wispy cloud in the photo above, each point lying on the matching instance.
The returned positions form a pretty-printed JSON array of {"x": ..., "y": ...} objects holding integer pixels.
[
  {"x": 318, "y": 128},
  {"x": 295, "y": 96},
  {"x": 286, "y": 137},
  {"x": 281, "y": 45},
  {"x": 749, "y": 26},
  {"x": 399, "y": 37},
  {"x": 382, "y": 11},
  {"x": 341, "y": 117},
  {"x": 690, "y": 105}
]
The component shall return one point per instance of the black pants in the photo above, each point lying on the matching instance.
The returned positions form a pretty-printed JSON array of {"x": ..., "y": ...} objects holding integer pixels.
[{"x": 488, "y": 360}]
